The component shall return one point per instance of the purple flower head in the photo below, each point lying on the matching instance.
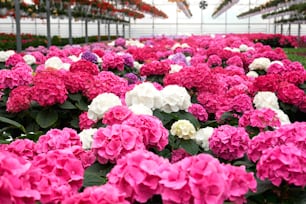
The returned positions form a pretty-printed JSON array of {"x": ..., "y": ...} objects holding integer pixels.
[
  {"x": 120, "y": 42},
  {"x": 89, "y": 56},
  {"x": 132, "y": 78},
  {"x": 179, "y": 58},
  {"x": 128, "y": 60}
]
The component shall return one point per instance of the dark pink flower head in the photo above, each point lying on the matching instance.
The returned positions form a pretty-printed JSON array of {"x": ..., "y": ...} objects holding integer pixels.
[
  {"x": 260, "y": 118},
  {"x": 151, "y": 128},
  {"x": 113, "y": 142},
  {"x": 106, "y": 194},
  {"x": 290, "y": 93},
  {"x": 19, "y": 99},
  {"x": 294, "y": 77},
  {"x": 112, "y": 61},
  {"x": 85, "y": 122},
  {"x": 198, "y": 111},
  {"x": 76, "y": 81},
  {"x": 239, "y": 182},
  {"x": 178, "y": 154},
  {"x": 39, "y": 57},
  {"x": 267, "y": 82},
  {"x": 214, "y": 61},
  {"x": 116, "y": 115},
  {"x": 235, "y": 60},
  {"x": 283, "y": 163},
  {"x": 23, "y": 147},
  {"x": 13, "y": 60},
  {"x": 228, "y": 142},
  {"x": 138, "y": 175},
  {"x": 57, "y": 139},
  {"x": 155, "y": 68},
  {"x": 84, "y": 66}
]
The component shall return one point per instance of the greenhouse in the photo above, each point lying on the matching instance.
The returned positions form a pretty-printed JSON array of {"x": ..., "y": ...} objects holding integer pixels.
[{"x": 152, "y": 101}]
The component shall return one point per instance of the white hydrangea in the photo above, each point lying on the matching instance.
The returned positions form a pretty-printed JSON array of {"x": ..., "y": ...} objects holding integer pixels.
[
  {"x": 266, "y": 99},
  {"x": 146, "y": 94},
  {"x": 185, "y": 45},
  {"x": 235, "y": 49},
  {"x": 112, "y": 44},
  {"x": 188, "y": 59},
  {"x": 202, "y": 136},
  {"x": 54, "y": 62},
  {"x": 66, "y": 66},
  {"x": 137, "y": 65},
  {"x": 283, "y": 117},
  {"x": 252, "y": 74},
  {"x": 101, "y": 104},
  {"x": 175, "y": 68},
  {"x": 261, "y": 63},
  {"x": 140, "y": 109},
  {"x": 174, "y": 98},
  {"x": 4, "y": 55},
  {"x": 243, "y": 48},
  {"x": 183, "y": 129},
  {"x": 176, "y": 45},
  {"x": 136, "y": 43},
  {"x": 74, "y": 58},
  {"x": 29, "y": 59},
  {"x": 277, "y": 62},
  {"x": 86, "y": 137}
]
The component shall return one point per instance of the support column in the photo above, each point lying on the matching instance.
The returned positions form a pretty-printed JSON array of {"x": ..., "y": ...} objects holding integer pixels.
[
  {"x": 18, "y": 29},
  {"x": 48, "y": 23},
  {"x": 70, "y": 25},
  {"x": 99, "y": 30},
  {"x": 108, "y": 31},
  {"x": 289, "y": 29},
  {"x": 86, "y": 29}
]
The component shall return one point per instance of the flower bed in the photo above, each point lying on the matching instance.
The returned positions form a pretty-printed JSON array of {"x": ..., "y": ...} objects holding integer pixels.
[{"x": 159, "y": 120}]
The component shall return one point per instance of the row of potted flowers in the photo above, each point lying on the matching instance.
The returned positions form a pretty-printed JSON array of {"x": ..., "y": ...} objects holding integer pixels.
[{"x": 200, "y": 119}]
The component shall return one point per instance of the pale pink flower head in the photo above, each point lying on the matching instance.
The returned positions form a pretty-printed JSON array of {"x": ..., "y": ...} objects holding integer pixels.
[
  {"x": 106, "y": 194},
  {"x": 13, "y": 60},
  {"x": 57, "y": 139},
  {"x": 199, "y": 112},
  {"x": 283, "y": 163},
  {"x": 229, "y": 142},
  {"x": 85, "y": 122},
  {"x": 23, "y": 147},
  {"x": 214, "y": 61},
  {"x": 113, "y": 142},
  {"x": 19, "y": 99},
  {"x": 116, "y": 115},
  {"x": 235, "y": 60},
  {"x": 151, "y": 128},
  {"x": 138, "y": 175}
]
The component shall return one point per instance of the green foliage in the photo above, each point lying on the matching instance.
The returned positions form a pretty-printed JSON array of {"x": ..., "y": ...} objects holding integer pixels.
[{"x": 296, "y": 54}]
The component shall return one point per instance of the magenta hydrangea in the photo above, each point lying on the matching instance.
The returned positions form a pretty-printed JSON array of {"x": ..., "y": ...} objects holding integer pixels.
[
  {"x": 112, "y": 61},
  {"x": 229, "y": 142},
  {"x": 155, "y": 68},
  {"x": 113, "y": 142},
  {"x": 85, "y": 122},
  {"x": 151, "y": 128},
  {"x": 19, "y": 99},
  {"x": 290, "y": 93},
  {"x": 13, "y": 60},
  {"x": 23, "y": 148},
  {"x": 199, "y": 112}
]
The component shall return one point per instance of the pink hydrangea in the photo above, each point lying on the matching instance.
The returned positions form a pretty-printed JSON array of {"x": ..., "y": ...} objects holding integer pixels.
[
  {"x": 151, "y": 128},
  {"x": 199, "y": 112},
  {"x": 48, "y": 89},
  {"x": 241, "y": 103},
  {"x": 292, "y": 134},
  {"x": 39, "y": 57},
  {"x": 214, "y": 61},
  {"x": 85, "y": 122},
  {"x": 22, "y": 147},
  {"x": 76, "y": 81},
  {"x": 84, "y": 66},
  {"x": 267, "y": 82},
  {"x": 294, "y": 77},
  {"x": 86, "y": 157},
  {"x": 239, "y": 183},
  {"x": 289, "y": 93},
  {"x": 228, "y": 142},
  {"x": 112, "y": 61},
  {"x": 13, "y": 60},
  {"x": 235, "y": 60},
  {"x": 105, "y": 82},
  {"x": 137, "y": 174},
  {"x": 260, "y": 118},
  {"x": 178, "y": 154},
  {"x": 283, "y": 163},
  {"x": 106, "y": 194},
  {"x": 57, "y": 139},
  {"x": 155, "y": 68},
  {"x": 19, "y": 99},
  {"x": 15, "y": 188},
  {"x": 113, "y": 142},
  {"x": 14, "y": 78},
  {"x": 116, "y": 115}
]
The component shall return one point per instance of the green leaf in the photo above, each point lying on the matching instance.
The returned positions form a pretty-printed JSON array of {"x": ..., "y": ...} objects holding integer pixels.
[
  {"x": 13, "y": 123},
  {"x": 75, "y": 97},
  {"x": 190, "y": 146},
  {"x": 82, "y": 105},
  {"x": 262, "y": 186},
  {"x": 174, "y": 141},
  {"x": 181, "y": 115},
  {"x": 95, "y": 175},
  {"x": 46, "y": 118},
  {"x": 164, "y": 117},
  {"x": 67, "y": 105}
]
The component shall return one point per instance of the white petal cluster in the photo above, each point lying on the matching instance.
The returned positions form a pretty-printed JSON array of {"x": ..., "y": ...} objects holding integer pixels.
[
  {"x": 86, "y": 137},
  {"x": 183, "y": 129},
  {"x": 175, "y": 68},
  {"x": 265, "y": 99},
  {"x": 55, "y": 63},
  {"x": 4, "y": 55},
  {"x": 140, "y": 109},
  {"x": 29, "y": 59},
  {"x": 261, "y": 63},
  {"x": 202, "y": 136}
]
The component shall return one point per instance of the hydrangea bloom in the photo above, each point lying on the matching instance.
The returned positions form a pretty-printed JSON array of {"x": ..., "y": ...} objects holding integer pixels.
[
  {"x": 183, "y": 129},
  {"x": 198, "y": 111},
  {"x": 228, "y": 142},
  {"x": 261, "y": 63},
  {"x": 151, "y": 128},
  {"x": 155, "y": 68},
  {"x": 77, "y": 81},
  {"x": 19, "y": 99},
  {"x": 86, "y": 137},
  {"x": 84, "y": 66},
  {"x": 116, "y": 115},
  {"x": 112, "y": 61},
  {"x": 113, "y": 142},
  {"x": 89, "y": 56},
  {"x": 22, "y": 147},
  {"x": 265, "y": 99},
  {"x": 85, "y": 122},
  {"x": 202, "y": 137},
  {"x": 120, "y": 42},
  {"x": 289, "y": 93},
  {"x": 214, "y": 61},
  {"x": 140, "y": 109},
  {"x": 14, "y": 59}
]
